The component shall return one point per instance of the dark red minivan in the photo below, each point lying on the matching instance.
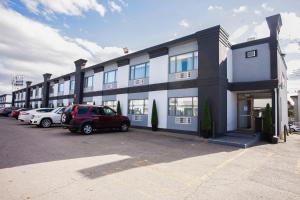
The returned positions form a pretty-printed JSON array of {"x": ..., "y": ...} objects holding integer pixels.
[{"x": 87, "y": 118}]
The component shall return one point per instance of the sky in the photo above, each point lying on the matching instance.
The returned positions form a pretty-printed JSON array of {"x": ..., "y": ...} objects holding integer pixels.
[{"x": 47, "y": 36}]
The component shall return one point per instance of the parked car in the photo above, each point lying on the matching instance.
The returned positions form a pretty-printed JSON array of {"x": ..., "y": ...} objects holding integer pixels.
[
  {"x": 87, "y": 118},
  {"x": 25, "y": 116},
  {"x": 46, "y": 119},
  {"x": 16, "y": 113},
  {"x": 6, "y": 111},
  {"x": 294, "y": 128}
]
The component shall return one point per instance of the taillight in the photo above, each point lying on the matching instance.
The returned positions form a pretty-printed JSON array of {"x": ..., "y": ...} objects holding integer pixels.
[{"x": 73, "y": 113}]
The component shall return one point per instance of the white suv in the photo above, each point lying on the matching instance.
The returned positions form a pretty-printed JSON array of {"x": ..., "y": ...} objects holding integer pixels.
[
  {"x": 45, "y": 120},
  {"x": 25, "y": 116}
]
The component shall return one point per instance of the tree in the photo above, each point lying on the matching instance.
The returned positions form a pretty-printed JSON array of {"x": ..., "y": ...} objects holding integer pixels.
[
  {"x": 206, "y": 120},
  {"x": 267, "y": 124},
  {"x": 154, "y": 117},
  {"x": 119, "y": 111}
]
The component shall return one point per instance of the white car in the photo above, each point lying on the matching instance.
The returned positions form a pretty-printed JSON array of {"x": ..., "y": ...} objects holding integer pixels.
[
  {"x": 45, "y": 120},
  {"x": 25, "y": 116},
  {"x": 294, "y": 128}
]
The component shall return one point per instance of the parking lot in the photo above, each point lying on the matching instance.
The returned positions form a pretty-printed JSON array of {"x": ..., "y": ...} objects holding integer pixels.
[{"x": 53, "y": 163}]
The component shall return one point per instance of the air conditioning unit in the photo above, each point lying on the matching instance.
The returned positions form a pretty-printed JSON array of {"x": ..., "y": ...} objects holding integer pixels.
[
  {"x": 109, "y": 86},
  {"x": 183, "y": 75},
  {"x": 183, "y": 120},
  {"x": 137, "y": 117},
  {"x": 138, "y": 82}
]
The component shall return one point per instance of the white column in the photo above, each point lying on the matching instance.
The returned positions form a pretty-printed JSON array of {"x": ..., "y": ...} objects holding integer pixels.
[
  {"x": 98, "y": 81},
  {"x": 123, "y": 76},
  {"x": 161, "y": 99},
  {"x": 123, "y": 98},
  {"x": 159, "y": 70}
]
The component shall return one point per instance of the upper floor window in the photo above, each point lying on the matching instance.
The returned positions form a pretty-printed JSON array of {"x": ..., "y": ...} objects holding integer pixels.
[
  {"x": 110, "y": 77},
  {"x": 139, "y": 71},
  {"x": 183, "y": 62},
  {"x": 138, "y": 107},
  {"x": 31, "y": 93},
  {"x": 112, "y": 104},
  {"x": 51, "y": 89},
  {"x": 72, "y": 85},
  {"x": 183, "y": 106},
  {"x": 60, "y": 87},
  {"x": 88, "y": 81},
  {"x": 251, "y": 54}
]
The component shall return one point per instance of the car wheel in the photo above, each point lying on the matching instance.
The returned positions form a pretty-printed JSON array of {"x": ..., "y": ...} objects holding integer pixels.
[
  {"x": 46, "y": 123},
  {"x": 87, "y": 129},
  {"x": 293, "y": 130},
  {"x": 124, "y": 127}
]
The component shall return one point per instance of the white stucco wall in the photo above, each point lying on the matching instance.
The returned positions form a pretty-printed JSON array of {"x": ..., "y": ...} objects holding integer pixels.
[
  {"x": 123, "y": 76},
  {"x": 158, "y": 72},
  {"x": 231, "y": 111},
  {"x": 229, "y": 65},
  {"x": 123, "y": 98},
  {"x": 161, "y": 99},
  {"x": 98, "y": 81},
  {"x": 97, "y": 100}
]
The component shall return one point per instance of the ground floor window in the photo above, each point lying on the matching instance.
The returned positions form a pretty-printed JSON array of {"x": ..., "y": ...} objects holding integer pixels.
[
  {"x": 138, "y": 107},
  {"x": 183, "y": 106},
  {"x": 112, "y": 104}
]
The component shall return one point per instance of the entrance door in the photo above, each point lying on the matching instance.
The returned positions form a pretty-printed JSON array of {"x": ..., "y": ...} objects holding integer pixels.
[{"x": 245, "y": 108}]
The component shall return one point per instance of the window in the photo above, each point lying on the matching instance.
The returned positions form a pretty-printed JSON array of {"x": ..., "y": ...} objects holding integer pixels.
[
  {"x": 183, "y": 62},
  {"x": 251, "y": 54},
  {"x": 60, "y": 88},
  {"x": 111, "y": 104},
  {"x": 138, "y": 107},
  {"x": 110, "y": 77},
  {"x": 82, "y": 110},
  {"x": 183, "y": 106},
  {"x": 51, "y": 89},
  {"x": 88, "y": 81},
  {"x": 72, "y": 85},
  {"x": 139, "y": 71},
  {"x": 109, "y": 112}
]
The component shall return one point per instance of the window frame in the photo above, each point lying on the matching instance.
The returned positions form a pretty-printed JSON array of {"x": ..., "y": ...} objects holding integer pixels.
[
  {"x": 86, "y": 81},
  {"x": 194, "y": 105},
  {"x": 146, "y": 68},
  {"x": 144, "y": 106},
  {"x": 254, "y": 50},
  {"x": 193, "y": 61},
  {"x": 59, "y": 89},
  {"x": 70, "y": 88},
  {"x": 115, "y": 77}
]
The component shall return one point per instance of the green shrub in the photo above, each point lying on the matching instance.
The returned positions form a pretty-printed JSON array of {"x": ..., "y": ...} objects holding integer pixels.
[
  {"x": 119, "y": 111},
  {"x": 154, "y": 117},
  {"x": 267, "y": 124},
  {"x": 206, "y": 120}
]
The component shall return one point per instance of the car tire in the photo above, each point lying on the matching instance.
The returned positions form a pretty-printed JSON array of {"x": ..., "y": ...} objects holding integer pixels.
[
  {"x": 87, "y": 129},
  {"x": 124, "y": 127},
  {"x": 46, "y": 123},
  {"x": 293, "y": 130}
]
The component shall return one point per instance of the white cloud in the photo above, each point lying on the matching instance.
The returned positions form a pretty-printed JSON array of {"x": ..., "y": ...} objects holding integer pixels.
[
  {"x": 289, "y": 31},
  {"x": 241, "y": 9},
  {"x": 66, "y": 7},
  {"x": 266, "y": 7},
  {"x": 292, "y": 48},
  {"x": 184, "y": 23},
  {"x": 33, "y": 48},
  {"x": 211, "y": 8},
  {"x": 257, "y": 12},
  {"x": 114, "y": 7},
  {"x": 238, "y": 33}
]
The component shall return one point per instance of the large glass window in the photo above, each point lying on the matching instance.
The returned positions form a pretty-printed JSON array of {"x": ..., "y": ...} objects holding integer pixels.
[
  {"x": 60, "y": 87},
  {"x": 88, "y": 81},
  {"x": 72, "y": 85},
  {"x": 110, "y": 77},
  {"x": 183, "y": 62},
  {"x": 138, "y": 107},
  {"x": 139, "y": 71},
  {"x": 183, "y": 106},
  {"x": 112, "y": 104},
  {"x": 51, "y": 89}
]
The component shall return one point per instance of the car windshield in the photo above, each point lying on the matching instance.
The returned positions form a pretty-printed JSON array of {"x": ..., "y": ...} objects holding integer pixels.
[{"x": 55, "y": 110}]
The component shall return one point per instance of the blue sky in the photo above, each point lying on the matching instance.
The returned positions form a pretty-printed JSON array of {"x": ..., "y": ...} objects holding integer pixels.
[{"x": 48, "y": 35}]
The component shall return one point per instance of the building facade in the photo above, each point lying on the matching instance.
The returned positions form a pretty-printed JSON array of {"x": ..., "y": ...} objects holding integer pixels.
[
  {"x": 238, "y": 80},
  {"x": 5, "y": 100}
]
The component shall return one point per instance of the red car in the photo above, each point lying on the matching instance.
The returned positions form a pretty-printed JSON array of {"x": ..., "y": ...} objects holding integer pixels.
[
  {"x": 16, "y": 113},
  {"x": 87, "y": 118}
]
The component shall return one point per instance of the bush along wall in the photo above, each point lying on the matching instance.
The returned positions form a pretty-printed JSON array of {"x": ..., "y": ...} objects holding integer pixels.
[
  {"x": 206, "y": 125},
  {"x": 119, "y": 111},
  {"x": 154, "y": 117},
  {"x": 267, "y": 124}
]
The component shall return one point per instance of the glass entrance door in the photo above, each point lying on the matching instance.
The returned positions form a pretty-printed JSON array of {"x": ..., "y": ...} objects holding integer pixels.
[{"x": 245, "y": 107}]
